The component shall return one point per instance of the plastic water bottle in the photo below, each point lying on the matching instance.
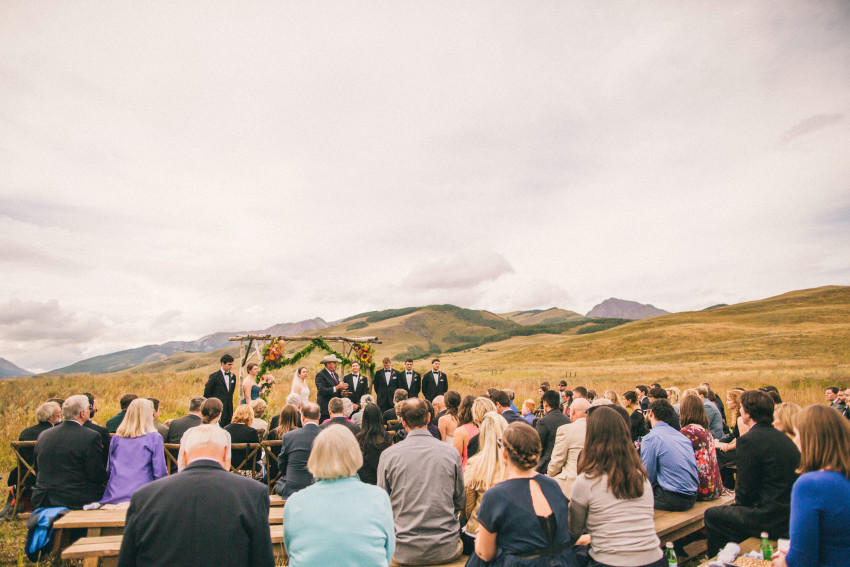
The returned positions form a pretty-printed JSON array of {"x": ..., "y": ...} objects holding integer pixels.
[
  {"x": 671, "y": 555},
  {"x": 766, "y": 549}
]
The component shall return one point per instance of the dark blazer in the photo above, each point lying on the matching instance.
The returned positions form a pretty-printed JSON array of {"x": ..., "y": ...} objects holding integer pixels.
[
  {"x": 69, "y": 462},
  {"x": 180, "y": 426},
  {"x": 368, "y": 473},
  {"x": 767, "y": 461},
  {"x": 325, "y": 383},
  {"x": 31, "y": 433},
  {"x": 215, "y": 388},
  {"x": 355, "y": 429},
  {"x": 362, "y": 389},
  {"x": 415, "y": 384},
  {"x": 295, "y": 450},
  {"x": 113, "y": 422},
  {"x": 637, "y": 424},
  {"x": 384, "y": 392},
  {"x": 510, "y": 416},
  {"x": 201, "y": 516},
  {"x": 389, "y": 414},
  {"x": 547, "y": 428},
  {"x": 241, "y": 433},
  {"x": 104, "y": 438},
  {"x": 431, "y": 388}
]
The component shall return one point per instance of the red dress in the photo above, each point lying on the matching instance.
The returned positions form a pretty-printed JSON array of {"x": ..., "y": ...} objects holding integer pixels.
[{"x": 710, "y": 484}]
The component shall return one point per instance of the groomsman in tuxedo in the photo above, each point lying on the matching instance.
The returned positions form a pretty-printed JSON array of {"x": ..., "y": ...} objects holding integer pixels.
[
  {"x": 222, "y": 385},
  {"x": 434, "y": 383},
  {"x": 328, "y": 385},
  {"x": 357, "y": 384},
  {"x": 410, "y": 380},
  {"x": 386, "y": 382}
]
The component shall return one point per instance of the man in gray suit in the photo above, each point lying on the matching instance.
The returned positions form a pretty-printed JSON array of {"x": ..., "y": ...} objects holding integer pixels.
[{"x": 295, "y": 450}]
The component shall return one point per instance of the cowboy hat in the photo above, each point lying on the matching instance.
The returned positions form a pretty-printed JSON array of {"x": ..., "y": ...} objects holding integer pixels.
[{"x": 330, "y": 358}]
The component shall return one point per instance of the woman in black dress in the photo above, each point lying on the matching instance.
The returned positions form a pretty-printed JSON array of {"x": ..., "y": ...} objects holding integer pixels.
[{"x": 373, "y": 439}]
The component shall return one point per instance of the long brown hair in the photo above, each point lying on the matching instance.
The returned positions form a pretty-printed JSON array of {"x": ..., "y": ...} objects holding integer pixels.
[
  {"x": 288, "y": 420},
  {"x": 464, "y": 413},
  {"x": 210, "y": 410},
  {"x": 691, "y": 411},
  {"x": 824, "y": 436},
  {"x": 608, "y": 450}
]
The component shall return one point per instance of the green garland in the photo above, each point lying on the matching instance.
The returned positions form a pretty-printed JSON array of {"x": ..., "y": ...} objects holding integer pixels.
[{"x": 318, "y": 342}]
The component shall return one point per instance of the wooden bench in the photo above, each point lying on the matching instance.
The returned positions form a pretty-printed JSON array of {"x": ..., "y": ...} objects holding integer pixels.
[
  {"x": 105, "y": 549},
  {"x": 671, "y": 526}
]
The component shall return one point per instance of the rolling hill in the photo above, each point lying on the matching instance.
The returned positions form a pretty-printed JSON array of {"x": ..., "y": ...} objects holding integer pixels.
[
  {"x": 10, "y": 370},
  {"x": 541, "y": 316}
]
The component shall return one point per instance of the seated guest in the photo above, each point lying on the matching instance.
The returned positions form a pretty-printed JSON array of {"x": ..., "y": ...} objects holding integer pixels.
[
  {"x": 569, "y": 442},
  {"x": 612, "y": 497},
  {"x": 450, "y": 421},
  {"x": 201, "y": 516},
  {"x": 669, "y": 459},
  {"x": 767, "y": 463},
  {"x": 820, "y": 499},
  {"x": 547, "y": 427},
  {"x": 136, "y": 454},
  {"x": 181, "y": 425},
  {"x": 466, "y": 430},
  {"x": 784, "y": 417},
  {"x": 160, "y": 428},
  {"x": 715, "y": 420},
  {"x": 726, "y": 453},
  {"x": 695, "y": 428},
  {"x": 259, "y": 408},
  {"x": 484, "y": 470},
  {"x": 113, "y": 422},
  {"x": 99, "y": 429},
  {"x": 373, "y": 440},
  {"x": 68, "y": 460},
  {"x": 674, "y": 396},
  {"x": 642, "y": 392},
  {"x": 425, "y": 515},
  {"x": 398, "y": 397},
  {"x": 503, "y": 406},
  {"x": 336, "y": 409},
  {"x": 613, "y": 396},
  {"x": 211, "y": 411},
  {"x": 528, "y": 412},
  {"x": 660, "y": 394},
  {"x": 295, "y": 449},
  {"x": 637, "y": 420},
  {"x": 432, "y": 427},
  {"x": 480, "y": 408},
  {"x": 313, "y": 539},
  {"x": 580, "y": 392},
  {"x": 293, "y": 400},
  {"x": 523, "y": 520},
  {"x": 287, "y": 421},
  {"x": 439, "y": 404},
  {"x": 241, "y": 432},
  {"x": 366, "y": 399}
]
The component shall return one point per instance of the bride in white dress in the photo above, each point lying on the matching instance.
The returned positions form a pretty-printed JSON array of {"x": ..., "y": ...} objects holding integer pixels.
[{"x": 299, "y": 384}]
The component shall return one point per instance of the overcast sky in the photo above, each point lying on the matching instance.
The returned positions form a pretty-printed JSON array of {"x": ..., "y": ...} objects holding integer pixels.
[{"x": 171, "y": 169}]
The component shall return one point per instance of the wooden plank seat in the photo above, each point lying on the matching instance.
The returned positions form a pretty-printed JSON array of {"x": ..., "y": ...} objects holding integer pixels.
[
  {"x": 671, "y": 526},
  {"x": 106, "y": 548}
]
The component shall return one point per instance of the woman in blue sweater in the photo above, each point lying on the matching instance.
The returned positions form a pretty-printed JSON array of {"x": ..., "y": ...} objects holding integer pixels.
[{"x": 820, "y": 499}]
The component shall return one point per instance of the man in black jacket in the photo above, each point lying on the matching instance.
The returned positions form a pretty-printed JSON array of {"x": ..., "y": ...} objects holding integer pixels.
[
  {"x": 99, "y": 429},
  {"x": 221, "y": 384},
  {"x": 386, "y": 383},
  {"x": 183, "y": 424},
  {"x": 336, "y": 409},
  {"x": 767, "y": 463},
  {"x": 357, "y": 384},
  {"x": 295, "y": 448},
  {"x": 328, "y": 385},
  {"x": 547, "y": 427},
  {"x": 69, "y": 461},
  {"x": 434, "y": 382},
  {"x": 204, "y": 515},
  {"x": 410, "y": 380}
]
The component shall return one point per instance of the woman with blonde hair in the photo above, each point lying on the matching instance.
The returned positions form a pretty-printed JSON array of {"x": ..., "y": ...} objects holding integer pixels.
[
  {"x": 367, "y": 540},
  {"x": 467, "y": 434},
  {"x": 784, "y": 416},
  {"x": 727, "y": 457},
  {"x": 484, "y": 470},
  {"x": 136, "y": 454},
  {"x": 820, "y": 498},
  {"x": 259, "y": 407},
  {"x": 613, "y": 396},
  {"x": 241, "y": 432},
  {"x": 674, "y": 396}
]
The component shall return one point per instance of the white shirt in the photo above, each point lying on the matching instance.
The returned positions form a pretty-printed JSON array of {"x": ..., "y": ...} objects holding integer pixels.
[
  {"x": 409, "y": 378},
  {"x": 225, "y": 373}
]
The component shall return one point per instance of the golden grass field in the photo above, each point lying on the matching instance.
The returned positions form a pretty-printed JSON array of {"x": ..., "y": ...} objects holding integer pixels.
[{"x": 798, "y": 342}]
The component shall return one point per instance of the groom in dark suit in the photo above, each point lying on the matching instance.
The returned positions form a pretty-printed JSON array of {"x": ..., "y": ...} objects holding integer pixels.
[
  {"x": 328, "y": 385},
  {"x": 221, "y": 385},
  {"x": 434, "y": 383},
  {"x": 357, "y": 384}
]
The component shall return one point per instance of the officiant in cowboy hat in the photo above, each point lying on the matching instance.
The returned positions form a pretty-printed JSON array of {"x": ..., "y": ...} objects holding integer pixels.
[{"x": 328, "y": 385}]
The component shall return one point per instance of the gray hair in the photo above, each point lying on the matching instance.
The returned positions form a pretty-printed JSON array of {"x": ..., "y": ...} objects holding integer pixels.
[
  {"x": 293, "y": 400},
  {"x": 210, "y": 435},
  {"x": 347, "y": 407},
  {"x": 45, "y": 411},
  {"x": 196, "y": 403},
  {"x": 366, "y": 399},
  {"x": 74, "y": 406}
]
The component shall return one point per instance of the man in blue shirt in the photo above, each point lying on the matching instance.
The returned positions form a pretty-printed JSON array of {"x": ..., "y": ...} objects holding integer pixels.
[{"x": 669, "y": 459}]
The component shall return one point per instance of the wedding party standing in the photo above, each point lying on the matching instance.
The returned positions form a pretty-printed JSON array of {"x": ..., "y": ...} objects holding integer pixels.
[
  {"x": 434, "y": 382},
  {"x": 250, "y": 389}
]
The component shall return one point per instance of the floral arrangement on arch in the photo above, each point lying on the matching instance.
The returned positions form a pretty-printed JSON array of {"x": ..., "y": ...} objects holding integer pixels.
[
  {"x": 274, "y": 352},
  {"x": 364, "y": 354}
]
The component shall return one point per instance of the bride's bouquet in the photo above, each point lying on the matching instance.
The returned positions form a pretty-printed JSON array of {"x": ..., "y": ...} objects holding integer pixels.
[{"x": 266, "y": 383}]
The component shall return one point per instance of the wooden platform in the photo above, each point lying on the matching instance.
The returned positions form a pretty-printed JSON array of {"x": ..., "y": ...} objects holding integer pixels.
[{"x": 671, "y": 526}]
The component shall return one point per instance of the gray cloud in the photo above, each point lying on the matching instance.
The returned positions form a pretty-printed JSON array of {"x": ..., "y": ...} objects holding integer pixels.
[
  {"x": 810, "y": 125},
  {"x": 464, "y": 270}
]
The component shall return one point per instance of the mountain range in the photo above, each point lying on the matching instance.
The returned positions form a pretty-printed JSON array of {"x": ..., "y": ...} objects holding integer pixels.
[{"x": 11, "y": 370}]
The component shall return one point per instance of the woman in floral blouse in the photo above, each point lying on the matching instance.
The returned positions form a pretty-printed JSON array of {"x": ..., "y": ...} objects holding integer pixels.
[{"x": 695, "y": 427}]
